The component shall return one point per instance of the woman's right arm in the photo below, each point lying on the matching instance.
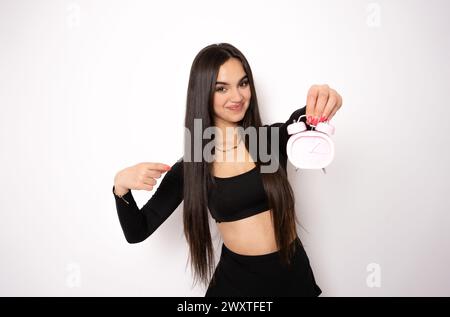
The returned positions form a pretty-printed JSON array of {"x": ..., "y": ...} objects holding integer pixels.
[{"x": 138, "y": 224}]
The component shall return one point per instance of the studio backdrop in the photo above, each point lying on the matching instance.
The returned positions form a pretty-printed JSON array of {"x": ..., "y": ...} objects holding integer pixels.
[{"x": 88, "y": 88}]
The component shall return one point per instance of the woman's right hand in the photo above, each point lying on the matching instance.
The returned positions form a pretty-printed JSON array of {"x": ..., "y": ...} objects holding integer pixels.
[{"x": 141, "y": 176}]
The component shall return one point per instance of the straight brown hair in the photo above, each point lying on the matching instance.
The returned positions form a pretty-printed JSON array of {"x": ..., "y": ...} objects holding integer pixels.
[{"x": 198, "y": 179}]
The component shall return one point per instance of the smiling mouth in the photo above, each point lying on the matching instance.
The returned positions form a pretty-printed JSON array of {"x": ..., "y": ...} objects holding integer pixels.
[{"x": 236, "y": 108}]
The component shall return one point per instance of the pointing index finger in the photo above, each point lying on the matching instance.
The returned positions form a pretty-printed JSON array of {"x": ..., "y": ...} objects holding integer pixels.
[{"x": 160, "y": 167}]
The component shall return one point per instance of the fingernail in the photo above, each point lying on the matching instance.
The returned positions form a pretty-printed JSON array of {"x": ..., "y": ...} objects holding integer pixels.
[
  {"x": 308, "y": 119},
  {"x": 316, "y": 120}
]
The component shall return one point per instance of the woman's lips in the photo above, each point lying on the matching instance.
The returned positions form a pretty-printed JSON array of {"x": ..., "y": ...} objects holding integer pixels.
[{"x": 235, "y": 107}]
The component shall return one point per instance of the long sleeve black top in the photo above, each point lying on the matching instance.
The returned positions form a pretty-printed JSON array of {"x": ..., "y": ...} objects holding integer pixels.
[{"x": 138, "y": 224}]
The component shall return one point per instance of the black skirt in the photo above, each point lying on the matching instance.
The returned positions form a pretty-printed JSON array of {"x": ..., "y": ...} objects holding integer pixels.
[{"x": 263, "y": 275}]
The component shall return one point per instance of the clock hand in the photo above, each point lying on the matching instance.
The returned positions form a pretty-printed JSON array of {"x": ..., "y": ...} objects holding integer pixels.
[{"x": 318, "y": 143}]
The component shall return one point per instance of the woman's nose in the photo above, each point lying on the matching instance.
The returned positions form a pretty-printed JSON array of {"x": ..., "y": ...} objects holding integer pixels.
[{"x": 236, "y": 95}]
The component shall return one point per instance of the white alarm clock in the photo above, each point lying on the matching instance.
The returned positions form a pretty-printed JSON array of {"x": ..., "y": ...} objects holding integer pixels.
[{"x": 308, "y": 149}]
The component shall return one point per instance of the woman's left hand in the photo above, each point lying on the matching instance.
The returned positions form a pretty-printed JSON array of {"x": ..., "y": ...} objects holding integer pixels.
[{"x": 322, "y": 104}]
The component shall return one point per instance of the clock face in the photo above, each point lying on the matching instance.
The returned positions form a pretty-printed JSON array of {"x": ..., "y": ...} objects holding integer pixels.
[{"x": 310, "y": 151}]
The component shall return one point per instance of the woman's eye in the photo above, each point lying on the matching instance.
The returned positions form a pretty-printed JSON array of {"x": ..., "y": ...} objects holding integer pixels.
[
  {"x": 245, "y": 83},
  {"x": 221, "y": 89}
]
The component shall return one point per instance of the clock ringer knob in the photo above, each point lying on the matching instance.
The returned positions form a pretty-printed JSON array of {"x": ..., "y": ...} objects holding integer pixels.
[
  {"x": 296, "y": 127},
  {"x": 325, "y": 128}
]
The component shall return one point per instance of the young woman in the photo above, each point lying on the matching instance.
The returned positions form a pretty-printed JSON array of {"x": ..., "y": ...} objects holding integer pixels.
[{"x": 261, "y": 254}]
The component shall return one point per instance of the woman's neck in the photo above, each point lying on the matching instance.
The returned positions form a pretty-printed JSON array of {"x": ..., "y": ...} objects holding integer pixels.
[{"x": 227, "y": 135}]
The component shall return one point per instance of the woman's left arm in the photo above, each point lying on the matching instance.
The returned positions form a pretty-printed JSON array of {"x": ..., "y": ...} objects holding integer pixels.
[{"x": 322, "y": 104}]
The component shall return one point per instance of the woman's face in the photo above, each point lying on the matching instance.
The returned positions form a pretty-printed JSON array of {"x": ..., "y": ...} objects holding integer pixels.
[{"x": 232, "y": 88}]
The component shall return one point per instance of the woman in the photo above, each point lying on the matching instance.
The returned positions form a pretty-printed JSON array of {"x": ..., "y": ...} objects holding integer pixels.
[{"x": 261, "y": 252}]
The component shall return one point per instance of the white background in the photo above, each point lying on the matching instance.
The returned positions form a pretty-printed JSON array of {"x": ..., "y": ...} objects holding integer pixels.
[{"x": 88, "y": 88}]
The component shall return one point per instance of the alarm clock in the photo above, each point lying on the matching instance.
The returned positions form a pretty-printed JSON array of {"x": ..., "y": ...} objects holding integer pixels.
[{"x": 310, "y": 149}]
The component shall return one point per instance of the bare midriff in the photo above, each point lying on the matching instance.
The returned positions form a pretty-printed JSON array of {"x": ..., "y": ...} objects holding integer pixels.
[{"x": 253, "y": 235}]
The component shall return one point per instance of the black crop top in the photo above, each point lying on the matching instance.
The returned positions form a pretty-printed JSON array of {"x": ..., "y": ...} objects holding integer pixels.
[
  {"x": 237, "y": 197},
  {"x": 233, "y": 198}
]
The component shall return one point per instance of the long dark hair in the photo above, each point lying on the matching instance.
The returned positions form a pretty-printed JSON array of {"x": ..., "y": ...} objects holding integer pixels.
[{"x": 198, "y": 179}]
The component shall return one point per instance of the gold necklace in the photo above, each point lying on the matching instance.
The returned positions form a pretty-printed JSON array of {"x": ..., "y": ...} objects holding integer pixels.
[{"x": 229, "y": 148}]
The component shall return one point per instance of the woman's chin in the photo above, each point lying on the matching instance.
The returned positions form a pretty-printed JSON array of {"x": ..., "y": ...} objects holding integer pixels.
[
  {"x": 233, "y": 118},
  {"x": 236, "y": 118}
]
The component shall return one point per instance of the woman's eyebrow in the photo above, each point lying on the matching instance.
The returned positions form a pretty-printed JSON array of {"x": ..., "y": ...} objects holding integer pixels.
[{"x": 224, "y": 83}]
